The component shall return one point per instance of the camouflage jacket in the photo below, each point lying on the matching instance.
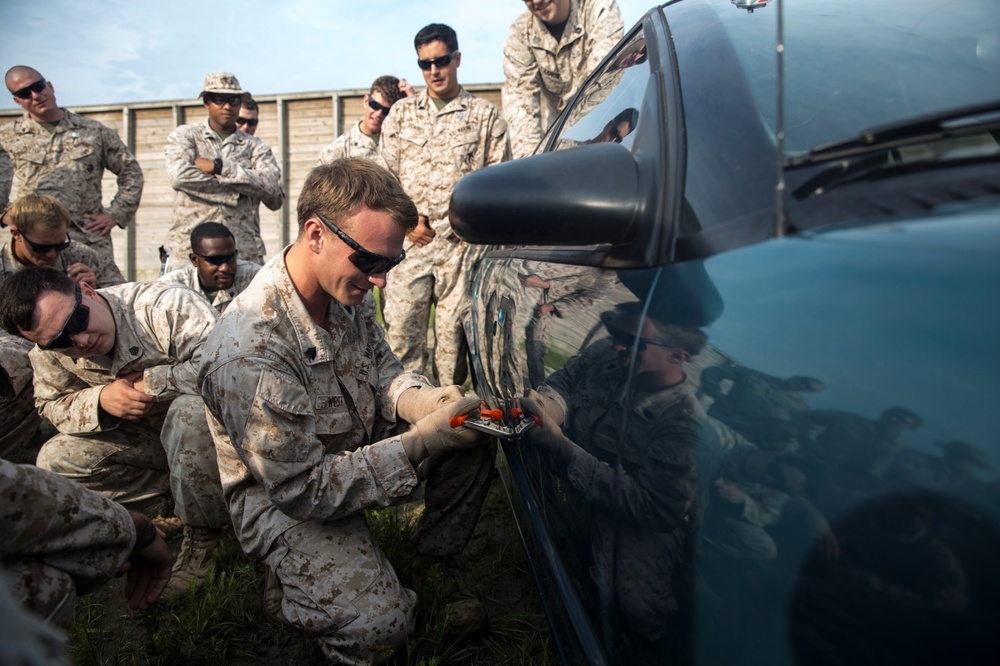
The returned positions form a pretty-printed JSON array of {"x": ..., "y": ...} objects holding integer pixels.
[
  {"x": 68, "y": 164},
  {"x": 159, "y": 328},
  {"x": 188, "y": 276},
  {"x": 250, "y": 175},
  {"x": 46, "y": 517},
  {"x": 107, "y": 273},
  {"x": 542, "y": 73},
  {"x": 430, "y": 150},
  {"x": 299, "y": 412},
  {"x": 352, "y": 143},
  {"x": 18, "y": 418}
]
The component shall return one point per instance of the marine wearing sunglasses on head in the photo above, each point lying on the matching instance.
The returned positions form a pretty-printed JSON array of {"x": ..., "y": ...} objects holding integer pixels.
[
  {"x": 361, "y": 140},
  {"x": 115, "y": 372},
  {"x": 311, "y": 415},
  {"x": 221, "y": 174},
  {"x": 53, "y": 151},
  {"x": 39, "y": 236},
  {"x": 216, "y": 271},
  {"x": 448, "y": 133}
]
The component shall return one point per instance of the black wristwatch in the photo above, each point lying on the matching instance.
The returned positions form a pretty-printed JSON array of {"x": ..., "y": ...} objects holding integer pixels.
[{"x": 217, "y": 169}]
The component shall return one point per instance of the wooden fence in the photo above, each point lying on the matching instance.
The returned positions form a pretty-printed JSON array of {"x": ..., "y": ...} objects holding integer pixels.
[{"x": 297, "y": 127}]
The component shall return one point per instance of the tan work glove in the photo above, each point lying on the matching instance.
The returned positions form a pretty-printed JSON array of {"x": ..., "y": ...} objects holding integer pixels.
[
  {"x": 433, "y": 435},
  {"x": 548, "y": 437},
  {"x": 555, "y": 410},
  {"x": 416, "y": 403}
]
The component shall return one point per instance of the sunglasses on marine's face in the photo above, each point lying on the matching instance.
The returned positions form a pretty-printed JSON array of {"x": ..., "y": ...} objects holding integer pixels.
[
  {"x": 375, "y": 106},
  {"x": 252, "y": 122},
  {"x": 439, "y": 62},
  {"x": 77, "y": 322},
  {"x": 25, "y": 92},
  {"x": 45, "y": 248},
  {"x": 365, "y": 261},
  {"x": 219, "y": 259},
  {"x": 234, "y": 101}
]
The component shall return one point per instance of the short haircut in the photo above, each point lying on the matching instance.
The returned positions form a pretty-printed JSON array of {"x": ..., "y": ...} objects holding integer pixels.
[
  {"x": 388, "y": 87},
  {"x": 21, "y": 290},
  {"x": 436, "y": 32},
  {"x": 20, "y": 69},
  {"x": 249, "y": 103},
  {"x": 338, "y": 189},
  {"x": 38, "y": 210},
  {"x": 208, "y": 230}
]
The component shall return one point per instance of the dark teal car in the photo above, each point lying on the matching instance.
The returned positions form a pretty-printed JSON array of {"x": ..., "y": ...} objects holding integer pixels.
[{"x": 741, "y": 315}]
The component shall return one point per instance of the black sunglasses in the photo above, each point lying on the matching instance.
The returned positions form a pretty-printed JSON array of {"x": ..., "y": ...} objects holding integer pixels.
[
  {"x": 77, "y": 322},
  {"x": 375, "y": 106},
  {"x": 252, "y": 122},
  {"x": 219, "y": 259},
  {"x": 626, "y": 340},
  {"x": 25, "y": 92},
  {"x": 43, "y": 248},
  {"x": 439, "y": 62},
  {"x": 366, "y": 262},
  {"x": 234, "y": 101}
]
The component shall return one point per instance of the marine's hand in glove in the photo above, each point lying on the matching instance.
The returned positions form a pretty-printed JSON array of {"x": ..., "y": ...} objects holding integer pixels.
[
  {"x": 416, "y": 403},
  {"x": 547, "y": 435},
  {"x": 554, "y": 410},
  {"x": 433, "y": 435}
]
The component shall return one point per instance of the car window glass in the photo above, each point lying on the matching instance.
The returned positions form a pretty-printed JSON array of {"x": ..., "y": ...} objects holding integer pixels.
[{"x": 607, "y": 108}]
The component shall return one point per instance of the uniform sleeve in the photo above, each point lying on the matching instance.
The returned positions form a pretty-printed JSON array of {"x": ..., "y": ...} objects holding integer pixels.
[
  {"x": 269, "y": 419},
  {"x": 388, "y": 145},
  {"x": 183, "y": 321},
  {"x": 46, "y": 517},
  {"x": 520, "y": 92},
  {"x": 333, "y": 151},
  {"x": 6, "y": 177},
  {"x": 70, "y": 404},
  {"x": 261, "y": 180},
  {"x": 498, "y": 147},
  {"x": 119, "y": 161},
  {"x": 185, "y": 177},
  {"x": 604, "y": 28}
]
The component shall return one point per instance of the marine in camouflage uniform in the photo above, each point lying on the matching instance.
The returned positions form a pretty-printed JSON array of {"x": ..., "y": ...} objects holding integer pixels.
[
  {"x": 361, "y": 140},
  {"x": 51, "y": 150},
  {"x": 107, "y": 274},
  {"x": 352, "y": 143},
  {"x": 247, "y": 175},
  {"x": 543, "y": 70},
  {"x": 19, "y": 422},
  {"x": 137, "y": 332},
  {"x": 220, "y": 299},
  {"x": 429, "y": 149},
  {"x": 306, "y": 402}
]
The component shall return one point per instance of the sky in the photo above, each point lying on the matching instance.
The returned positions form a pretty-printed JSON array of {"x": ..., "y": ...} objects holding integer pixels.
[{"x": 118, "y": 51}]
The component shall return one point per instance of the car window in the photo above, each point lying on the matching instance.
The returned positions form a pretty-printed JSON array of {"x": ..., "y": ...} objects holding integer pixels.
[{"x": 607, "y": 107}]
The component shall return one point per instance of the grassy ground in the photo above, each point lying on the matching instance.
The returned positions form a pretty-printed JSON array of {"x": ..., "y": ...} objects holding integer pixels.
[{"x": 224, "y": 623}]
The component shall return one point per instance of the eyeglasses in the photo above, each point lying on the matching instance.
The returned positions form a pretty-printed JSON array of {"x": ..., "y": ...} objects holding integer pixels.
[
  {"x": 366, "y": 262},
  {"x": 626, "y": 340},
  {"x": 234, "y": 101},
  {"x": 219, "y": 259},
  {"x": 77, "y": 322},
  {"x": 439, "y": 62},
  {"x": 44, "y": 248},
  {"x": 25, "y": 92},
  {"x": 252, "y": 122},
  {"x": 375, "y": 106}
]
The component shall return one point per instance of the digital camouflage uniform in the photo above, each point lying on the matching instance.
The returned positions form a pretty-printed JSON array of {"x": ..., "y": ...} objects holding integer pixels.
[
  {"x": 160, "y": 329},
  {"x": 19, "y": 421},
  {"x": 68, "y": 164},
  {"x": 107, "y": 272},
  {"x": 304, "y": 420},
  {"x": 250, "y": 175},
  {"x": 638, "y": 520},
  {"x": 542, "y": 73},
  {"x": 429, "y": 151},
  {"x": 352, "y": 143},
  {"x": 188, "y": 276},
  {"x": 58, "y": 539}
]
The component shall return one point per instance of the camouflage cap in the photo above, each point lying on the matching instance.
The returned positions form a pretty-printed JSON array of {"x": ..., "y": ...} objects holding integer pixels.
[{"x": 224, "y": 83}]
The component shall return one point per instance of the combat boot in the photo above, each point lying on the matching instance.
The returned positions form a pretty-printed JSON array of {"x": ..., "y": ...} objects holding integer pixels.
[{"x": 194, "y": 561}]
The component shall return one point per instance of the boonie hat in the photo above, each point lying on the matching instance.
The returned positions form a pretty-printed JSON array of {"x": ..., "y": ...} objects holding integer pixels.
[{"x": 223, "y": 83}]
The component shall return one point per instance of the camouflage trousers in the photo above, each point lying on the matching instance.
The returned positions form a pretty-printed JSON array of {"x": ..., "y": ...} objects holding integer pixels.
[
  {"x": 337, "y": 584},
  {"x": 138, "y": 461},
  {"x": 435, "y": 273}
]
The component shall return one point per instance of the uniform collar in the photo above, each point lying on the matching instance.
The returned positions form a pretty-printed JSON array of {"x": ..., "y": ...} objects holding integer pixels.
[{"x": 572, "y": 31}]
